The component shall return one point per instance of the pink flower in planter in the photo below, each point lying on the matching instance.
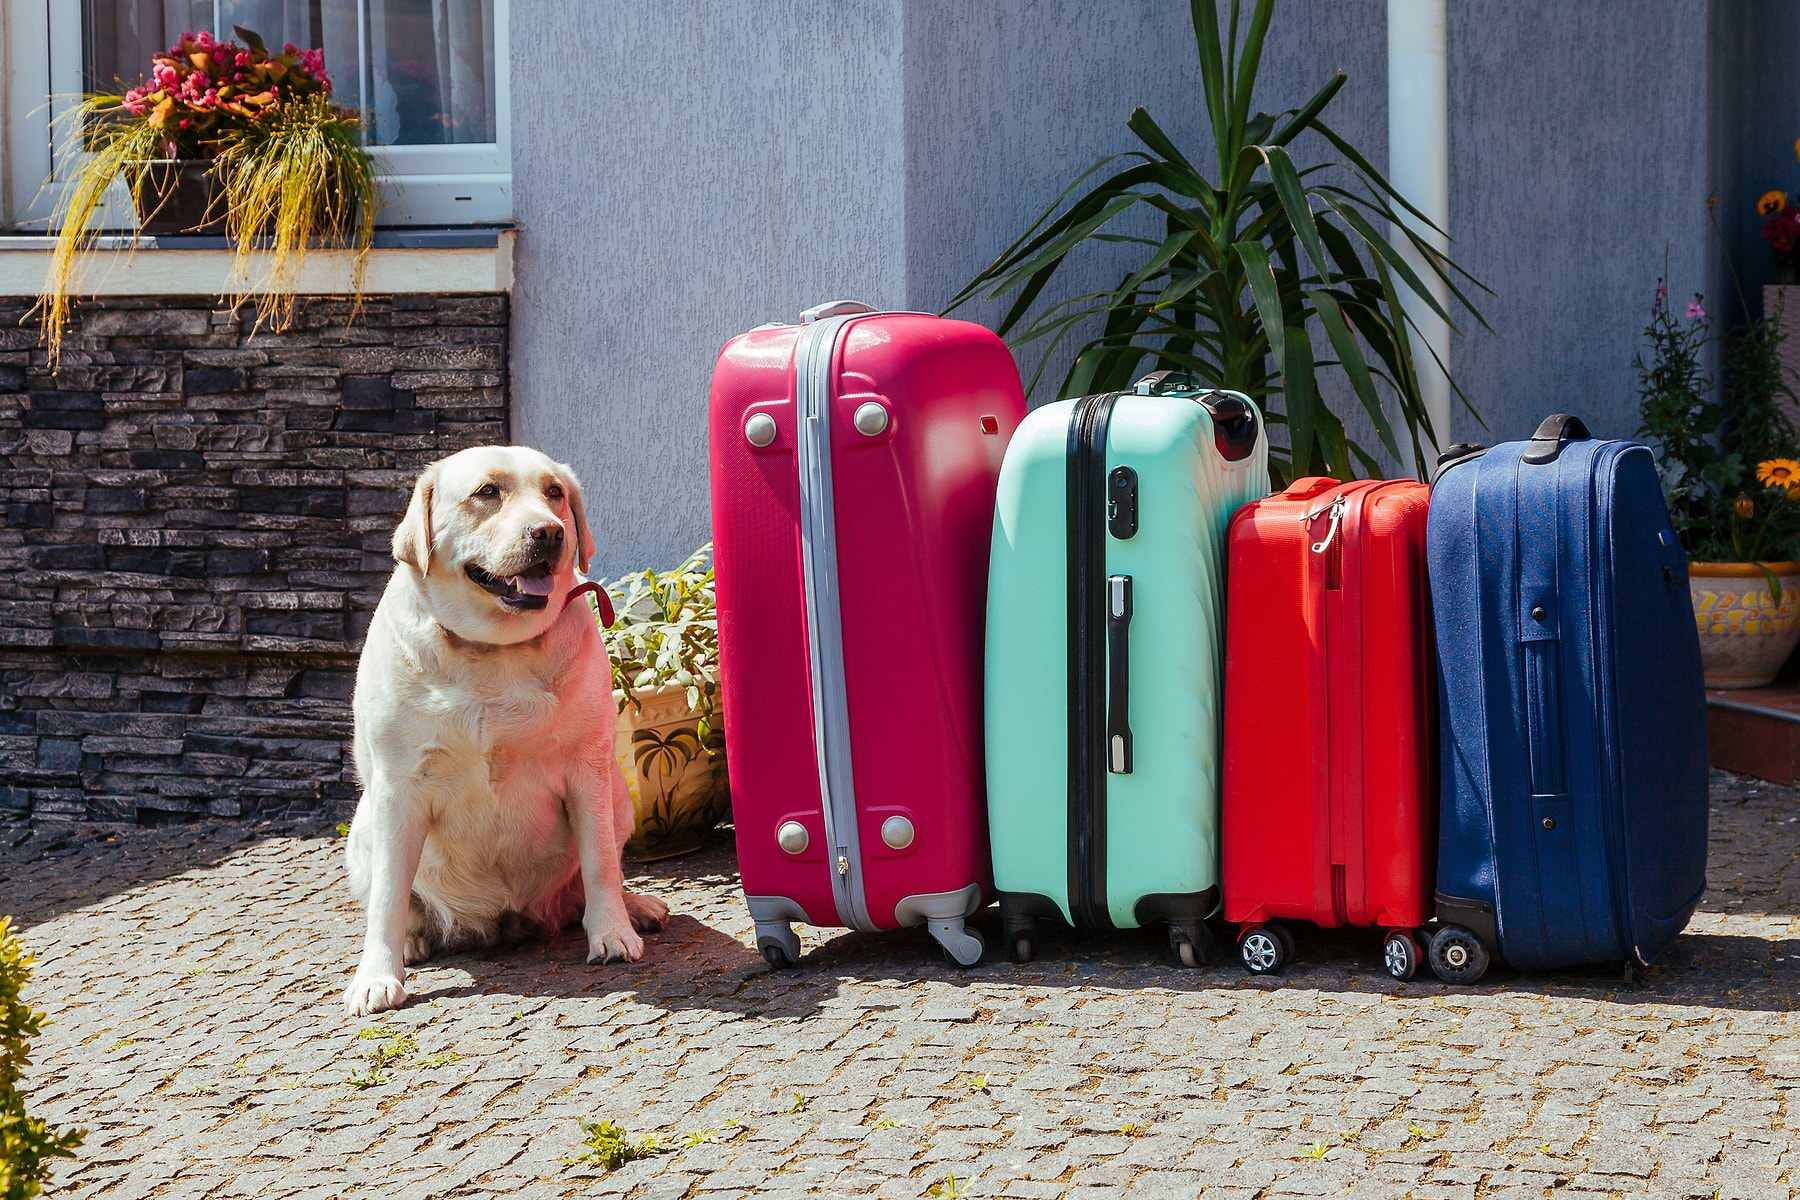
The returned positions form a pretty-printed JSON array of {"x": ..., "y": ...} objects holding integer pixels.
[{"x": 1694, "y": 311}]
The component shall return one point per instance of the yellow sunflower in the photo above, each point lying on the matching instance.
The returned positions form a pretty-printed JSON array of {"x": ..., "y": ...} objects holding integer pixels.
[
  {"x": 1771, "y": 202},
  {"x": 1746, "y": 507},
  {"x": 1779, "y": 472}
]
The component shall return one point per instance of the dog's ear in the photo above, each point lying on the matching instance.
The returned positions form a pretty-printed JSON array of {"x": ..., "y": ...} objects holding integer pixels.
[
  {"x": 584, "y": 541},
  {"x": 412, "y": 537}
]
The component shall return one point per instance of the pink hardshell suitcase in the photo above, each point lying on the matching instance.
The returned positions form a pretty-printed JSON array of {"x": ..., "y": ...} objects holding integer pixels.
[{"x": 854, "y": 459}]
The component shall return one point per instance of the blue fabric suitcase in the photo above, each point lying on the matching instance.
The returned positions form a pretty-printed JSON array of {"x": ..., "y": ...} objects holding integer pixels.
[{"x": 1573, "y": 718}]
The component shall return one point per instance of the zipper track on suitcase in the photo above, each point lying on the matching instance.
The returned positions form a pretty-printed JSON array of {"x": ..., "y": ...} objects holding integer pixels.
[
  {"x": 813, "y": 357},
  {"x": 1086, "y": 578}
]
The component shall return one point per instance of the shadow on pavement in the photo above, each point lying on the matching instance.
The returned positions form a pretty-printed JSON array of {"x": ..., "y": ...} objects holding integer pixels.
[{"x": 50, "y": 869}]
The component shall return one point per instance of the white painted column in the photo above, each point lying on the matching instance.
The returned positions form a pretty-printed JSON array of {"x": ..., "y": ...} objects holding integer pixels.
[{"x": 1419, "y": 169}]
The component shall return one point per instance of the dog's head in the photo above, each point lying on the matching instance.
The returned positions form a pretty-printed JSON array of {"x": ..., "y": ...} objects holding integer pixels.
[{"x": 495, "y": 534}]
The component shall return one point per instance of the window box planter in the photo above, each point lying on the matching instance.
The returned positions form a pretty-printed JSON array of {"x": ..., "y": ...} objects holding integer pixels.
[{"x": 176, "y": 196}]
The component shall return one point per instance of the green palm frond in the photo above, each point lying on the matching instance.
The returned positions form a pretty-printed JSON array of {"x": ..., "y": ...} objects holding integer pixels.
[{"x": 1249, "y": 265}]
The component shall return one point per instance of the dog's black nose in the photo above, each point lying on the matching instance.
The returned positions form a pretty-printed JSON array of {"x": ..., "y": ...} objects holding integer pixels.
[{"x": 547, "y": 537}]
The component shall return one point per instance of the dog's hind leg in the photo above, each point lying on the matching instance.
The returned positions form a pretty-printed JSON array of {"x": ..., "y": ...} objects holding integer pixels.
[
  {"x": 647, "y": 912},
  {"x": 421, "y": 930}
]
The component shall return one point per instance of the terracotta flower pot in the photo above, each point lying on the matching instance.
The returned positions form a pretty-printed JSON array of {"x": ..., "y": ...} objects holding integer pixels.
[
  {"x": 176, "y": 196},
  {"x": 1745, "y": 636},
  {"x": 677, "y": 780}
]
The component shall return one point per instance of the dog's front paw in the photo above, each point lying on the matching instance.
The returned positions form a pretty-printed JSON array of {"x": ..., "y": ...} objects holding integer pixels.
[
  {"x": 647, "y": 912},
  {"x": 418, "y": 949},
  {"x": 372, "y": 992},
  {"x": 618, "y": 941}
]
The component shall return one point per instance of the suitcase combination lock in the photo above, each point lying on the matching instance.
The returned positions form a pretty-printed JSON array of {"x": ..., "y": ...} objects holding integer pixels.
[{"x": 1121, "y": 502}]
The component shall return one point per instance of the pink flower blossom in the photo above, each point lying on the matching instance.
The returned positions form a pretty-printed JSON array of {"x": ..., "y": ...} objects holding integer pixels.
[{"x": 1694, "y": 311}]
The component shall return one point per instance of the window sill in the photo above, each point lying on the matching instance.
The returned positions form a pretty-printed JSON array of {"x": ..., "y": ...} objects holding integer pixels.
[{"x": 451, "y": 260}]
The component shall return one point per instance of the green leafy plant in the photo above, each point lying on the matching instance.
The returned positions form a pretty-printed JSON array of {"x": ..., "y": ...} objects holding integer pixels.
[
  {"x": 666, "y": 631},
  {"x": 394, "y": 1047},
  {"x": 948, "y": 1189},
  {"x": 287, "y": 166},
  {"x": 1728, "y": 457},
  {"x": 1249, "y": 260},
  {"x": 27, "y": 1144},
  {"x": 608, "y": 1145}
]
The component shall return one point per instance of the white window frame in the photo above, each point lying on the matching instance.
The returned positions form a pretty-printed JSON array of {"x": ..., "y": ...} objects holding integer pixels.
[{"x": 40, "y": 47}]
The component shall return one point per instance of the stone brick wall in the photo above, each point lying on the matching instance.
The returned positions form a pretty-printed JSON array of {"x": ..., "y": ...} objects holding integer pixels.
[{"x": 196, "y": 534}]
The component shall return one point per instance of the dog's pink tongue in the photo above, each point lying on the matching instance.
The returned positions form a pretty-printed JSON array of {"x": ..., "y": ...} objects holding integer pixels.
[{"x": 533, "y": 585}]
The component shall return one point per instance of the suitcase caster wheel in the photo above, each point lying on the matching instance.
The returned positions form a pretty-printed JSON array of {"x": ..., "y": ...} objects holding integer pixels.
[
  {"x": 1400, "y": 955},
  {"x": 1264, "y": 950},
  {"x": 1457, "y": 956},
  {"x": 962, "y": 945},
  {"x": 1022, "y": 949},
  {"x": 1191, "y": 946},
  {"x": 1286, "y": 937},
  {"x": 779, "y": 945}
]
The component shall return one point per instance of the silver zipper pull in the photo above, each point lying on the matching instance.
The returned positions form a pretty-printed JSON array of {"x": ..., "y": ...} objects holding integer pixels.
[
  {"x": 843, "y": 864},
  {"x": 1337, "y": 514}
]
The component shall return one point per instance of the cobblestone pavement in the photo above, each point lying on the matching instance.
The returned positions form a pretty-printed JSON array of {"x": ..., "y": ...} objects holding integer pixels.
[{"x": 192, "y": 975}]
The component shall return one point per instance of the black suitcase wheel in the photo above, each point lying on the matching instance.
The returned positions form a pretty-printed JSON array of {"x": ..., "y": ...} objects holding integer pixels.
[
  {"x": 1457, "y": 956},
  {"x": 779, "y": 945},
  {"x": 1022, "y": 949},
  {"x": 1191, "y": 945},
  {"x": 1263, "y": 950},
  {"x": 1286, "y": 937},
  {"x": 1400, "y": 954}
]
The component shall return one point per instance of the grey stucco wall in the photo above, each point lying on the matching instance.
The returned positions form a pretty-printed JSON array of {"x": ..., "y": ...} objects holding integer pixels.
[
  {"x": 722, "y": 165},
  {"x": 748, "y": 159},
  {"x": 1579, "y": 157},
  {"x": 1757, "y": 113}
]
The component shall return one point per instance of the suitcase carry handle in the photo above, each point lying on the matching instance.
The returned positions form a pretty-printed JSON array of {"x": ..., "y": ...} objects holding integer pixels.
[
  {"x": 1548, "y": 441},
  {"x": 1462, "y": 452},
  {"x": 1118, "y": 674},
  {"x": 1234, "y": 425},
  {"x": 834, "y": 308}
]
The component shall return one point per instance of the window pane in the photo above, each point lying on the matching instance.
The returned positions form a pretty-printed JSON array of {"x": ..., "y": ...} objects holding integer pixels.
[
  {"x": 421, "y": 70},
  {"x": 119, "y": 36}
]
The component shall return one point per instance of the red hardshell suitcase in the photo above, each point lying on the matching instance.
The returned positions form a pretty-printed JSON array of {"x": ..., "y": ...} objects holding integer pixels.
[
  {"x": 1330, "y": 798},
  {"x": 854, "y": 461}
]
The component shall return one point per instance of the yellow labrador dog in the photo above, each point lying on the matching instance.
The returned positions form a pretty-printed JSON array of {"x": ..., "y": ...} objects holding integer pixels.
[{"x": 484, "y": 731}]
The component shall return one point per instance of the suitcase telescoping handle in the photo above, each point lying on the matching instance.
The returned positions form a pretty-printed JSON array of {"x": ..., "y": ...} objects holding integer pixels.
[
  {"x": 834, "y": 308},
  {"x": 1548, "y": 441},
  {"x": 1161, "y": 383},
  {"x": 1118, "y": 674}
]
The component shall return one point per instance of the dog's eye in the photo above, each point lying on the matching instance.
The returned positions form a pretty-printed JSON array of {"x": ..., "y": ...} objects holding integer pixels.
[
  {"x": 487, "y": 491},
  {"x": 553, "y": 492}
]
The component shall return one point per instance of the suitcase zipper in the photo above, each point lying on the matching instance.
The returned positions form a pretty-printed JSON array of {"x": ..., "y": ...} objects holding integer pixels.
[
  {"x": 1334, "y": 565},
  {"x": 813, "y": 356},
  {"x": 1087, "y": 606}
]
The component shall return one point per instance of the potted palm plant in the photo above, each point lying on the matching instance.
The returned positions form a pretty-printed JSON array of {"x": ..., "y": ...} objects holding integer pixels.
[
  {"x": 1250, "y": 259},
  {"x": 220, "y": 136},
  {"x": 664, "y": 645},
  {"x": 1728, "y": 465}
]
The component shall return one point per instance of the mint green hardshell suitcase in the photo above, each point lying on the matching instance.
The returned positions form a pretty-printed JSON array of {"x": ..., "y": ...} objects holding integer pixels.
[{"x": 1105, "y": 648}]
